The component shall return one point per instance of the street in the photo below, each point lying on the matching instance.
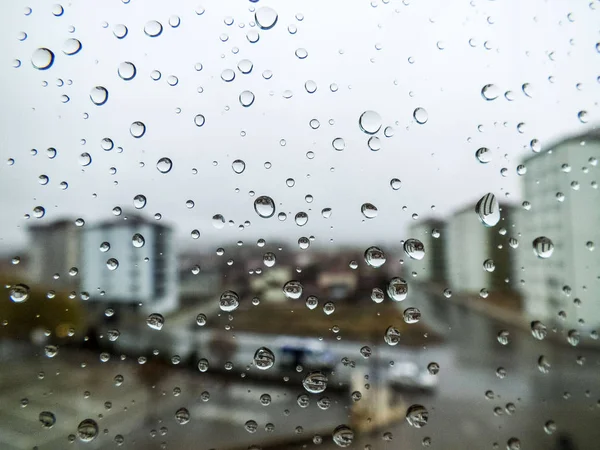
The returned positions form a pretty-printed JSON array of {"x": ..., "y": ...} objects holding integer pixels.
[{"x": 470, "y": 407}]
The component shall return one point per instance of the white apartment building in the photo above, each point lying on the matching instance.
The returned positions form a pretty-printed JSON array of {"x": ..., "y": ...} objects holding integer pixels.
[
  {"x": 567, "y": 171},
  {"x": 146, "y": 275},
  {"x": 469, "y": 243}
]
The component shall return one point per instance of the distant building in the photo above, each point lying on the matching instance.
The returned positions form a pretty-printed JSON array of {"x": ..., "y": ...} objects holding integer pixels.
[
  {"x": 146, "y": 274},
  {"x": 469, "y": 244},
  {"x": 54, "y": 248},
  {"x": 199, "y": 277},
  {"x": 432, "y": 268},
  {"x": 562, "y": 186}
]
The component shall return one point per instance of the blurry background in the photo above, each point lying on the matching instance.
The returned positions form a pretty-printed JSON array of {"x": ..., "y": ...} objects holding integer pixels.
[{"x": 186, "y": 184}]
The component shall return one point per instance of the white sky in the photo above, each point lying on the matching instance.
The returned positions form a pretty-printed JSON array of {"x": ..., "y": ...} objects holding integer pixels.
[{"x": 435, "y": 161}]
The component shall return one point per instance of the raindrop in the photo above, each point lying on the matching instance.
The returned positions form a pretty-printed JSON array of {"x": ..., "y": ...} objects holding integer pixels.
[
  {"x": 137, "y": 129},
  {"x": 251, "y": 426},
  {"x": 310, "y": 86},
  {"x": 126, "y": 71},
  {"x": 153, "y": 28},
  {"x": 182, "y": 416},
  {"x": 370, "y": 122},
  {"x": 71, "y": 46},
  {"x": 229, "y": 301},
  {"x": 199, "y": 120},
  {"x": 47, "y": 419},
  {"x": 264, "y": 206},
  {"x": 203, "y": 365},
  {"x": 420, "y": 115},
  {"x": 374, "y": 257},
  {"x": 228, "y": 75},
  {"x": 543, "y": 364},
  {"x": 329, "y": 308},
  {"x": 315, "y": 382},
  {"x": 292, "y": 289},
  {"x": 395, "y": 184},
  {"x": 527, "y": 90},
  {"x": 411, "y": 315},
  {"x": 99, "y": 95},
  {"x": 57, "y": 10},
  {"x": 164, "y": 165},
  {"x": 414, "y": 249},
  {"x": 377, "y": 295},
  {"x": 139, "y": 201},
  {"x": 265, "y": 17},
  {"x": 246, "y": 98},
  {"x": 490, "y": 92},
  {"x": 155, "y": 321},
  {"x": 174, "y": 21},
  {"x": 550, "y": 427},
  {"x": 19, "y": 293},
  {"x": 85, "y": 159},
  {"x": 503, "y": 337},
  {"x": 488, "y": 265},
  {"x": 265, "y": 399},
  {"x": 543, "y": 247},
  {"x": 582, "y": 116},
  {"x": 120, "y": 31},
  {"x": 392, "y": 336},
  {"x": 369, "y": 210},
  {"x": 433, "y": 368},
  {"x": 138, "y": 240},
  {"x": 245, "y": 66},
  {"x": 488, "y": 210},
  {"x": 264, "y": 358},
  {"x": 301, "y": 53},
  {"x": 303, "y": 243},
  {"x": 87, "y": 430},
  {"x": 374, "y": 143},
  {"x": 397, "y": 289},
  {"x": 301, "y": 219},
  {"x": 42, "y": 58},
  {"x": 338, "y": 144},
  {"x": 269, "y": 259},
  {"x": 417, "y": 416},
  {"x": 312, "y": 302},
  {"x": 343, "y": 436},
  {"x": 112, "y": 264},
  {"x": 513, "y": 444},
  {"x": 484, "y": 155},
  {"x": 39, "y": 212}
]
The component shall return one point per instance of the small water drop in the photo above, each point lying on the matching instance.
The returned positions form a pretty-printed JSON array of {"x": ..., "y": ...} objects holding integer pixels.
[
  {"x": 153, "y": 28},
  {"x": 164, "y": 165},
  {"x": 155, "y": 321},
  {"x": 42, "y": 58}
]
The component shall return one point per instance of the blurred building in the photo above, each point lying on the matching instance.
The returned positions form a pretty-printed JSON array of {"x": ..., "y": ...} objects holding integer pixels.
[
  {"x": 469, "y": 244},
  {"x": 561, "y": 184},
  {"x": 432, "y": 268},
  {"x": 147, "y": 267},
  {"x": 54, "y": 248},
  {"x": 199, "y": 277}
]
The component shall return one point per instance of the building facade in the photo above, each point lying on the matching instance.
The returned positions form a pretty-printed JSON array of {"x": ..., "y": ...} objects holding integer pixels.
[
  {"x": 561, "y": 185},
  {"x": 119, "y": 270}
]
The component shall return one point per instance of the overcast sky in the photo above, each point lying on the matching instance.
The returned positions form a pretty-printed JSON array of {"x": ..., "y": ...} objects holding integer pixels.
[{"x": 528, "y": 42}]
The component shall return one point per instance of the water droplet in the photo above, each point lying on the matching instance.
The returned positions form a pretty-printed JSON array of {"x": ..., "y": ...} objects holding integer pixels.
[
  {"x": 339, "y": 144},
  {"x": 265, "y": 17},
  {"x": 301, "y": 53},
  {"x": 164, "y": 165},
  {"x": 264, "y": 206},
  {"x": 433, "y": 368},
  {"x": 246, "y": 98},
  {"x": 420, "y": 115},
  {"x": 377, "y": 295},
  {"x": 87, "y": 430},
  {"x": 139, "y": 201},
  {"x": 292, "y": 289},
  {"x": 513, "y": 444},
  {"x": 411, "y": 315},
  {"x": 503, "y": 337},
  {"x": 395, "y": 184},
  {"x": 264, "y": 358},
  {"x": 370, "y": 122},
  {"x": 174, "y": 21},
  {"x": 155, "y": 321},
  {"x": 138, "y": 240},
  {"x": 301, "y": 219},
  {"x": 251, "y": 426},
  {"x": 484, "y": 155},
  {"x": 99, "y": 95},
  {"x": 315, "y": 382},
  {"x": 369, "y": 210},
  {"x": 47, "y": 419},
  {"x": 488, "y": 210},
  {"x": 490, "y": 92},
  {"x": 137, "y": 129},
  {"x": 203, "y": 365},
  {"x": 57, "y": 10},
  {"x": 343, "y": 436},
  {"x": 311, "y": 87},
  {"x": 329, "y": 308},
  {"x": 303, "y": 243},
  {"x": 582, "y": 116},
  {"x": 153, "y": 28},
  {"x": 417, "y": 416},
  {"x": 182, "y": 416},
  {"x": 374, "y": 143},
  {"x": 269, "y": 259},
  {"x": 71, "y": 47},
  {"x": 489, "y": 265},
  {"x": 374, "y": 257},
  {"x": 112, "y": 264},
  {"x": 397, "y": 289},
  {"x": 39, "y": 212},
  {"x": 42, "y": 58},
  {"x": 85, "y": 159},
  {"x": 245, "y": 66},
  {"x": 392, "y": 336},
  {"x": 573, "y": 337},
  {"x": 543, "y": 247},
  {"x": 120, "y": 31},
  {"x": 126, "y": 70},
  {"x": 550, "y": 427},
  {"x": 312, "y": 302},
  {"x": 104, "y": 247},
  {"x": 414, "y": 249},
  {"x": 229, "y": 301}
]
